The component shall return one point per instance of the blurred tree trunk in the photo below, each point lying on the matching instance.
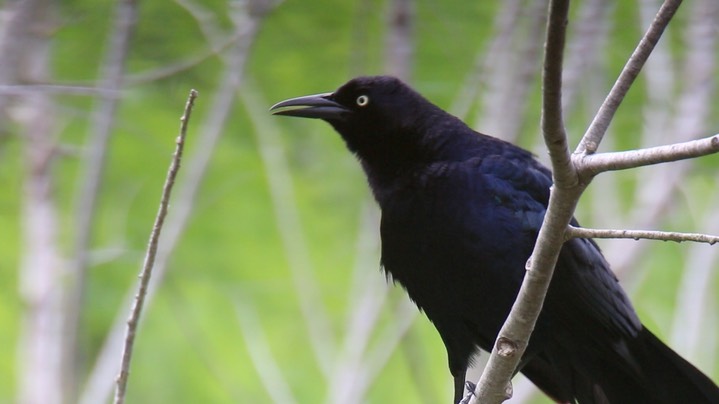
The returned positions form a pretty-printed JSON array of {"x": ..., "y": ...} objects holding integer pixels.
[
  {"x": 25, "y": 48},
  {"x": 399, "y": 46}
]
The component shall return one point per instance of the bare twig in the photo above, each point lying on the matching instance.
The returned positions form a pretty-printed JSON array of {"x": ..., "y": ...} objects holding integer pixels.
[
  {"x": 582, "y": 232},
  {"x": 569, "y": 183},
  {"x": 196, "y": 164},
  {"x": 147, "y": 267},
  {"x": 598, "y": 127},
  {"x": 595, "y": 163},
  {"x": 555, "y": 136},
  {"x": 655, "y": 188},
  {"x": 64, "y": 89},
  {"x": 688, "y": 117}
]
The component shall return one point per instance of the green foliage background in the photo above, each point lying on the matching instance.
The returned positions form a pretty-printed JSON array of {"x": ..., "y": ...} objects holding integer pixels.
[{"x": 190, "y": 347}]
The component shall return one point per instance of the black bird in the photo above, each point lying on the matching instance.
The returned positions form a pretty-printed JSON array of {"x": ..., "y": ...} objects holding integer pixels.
[{"x": 460, "y": 216}]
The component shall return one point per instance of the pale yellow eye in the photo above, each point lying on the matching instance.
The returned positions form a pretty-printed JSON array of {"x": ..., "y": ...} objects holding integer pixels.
[{"x": 362, "y": 100}]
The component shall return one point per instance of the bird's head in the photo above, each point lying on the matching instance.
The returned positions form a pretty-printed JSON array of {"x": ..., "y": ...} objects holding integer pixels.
[{"x": 374, "y": 115}]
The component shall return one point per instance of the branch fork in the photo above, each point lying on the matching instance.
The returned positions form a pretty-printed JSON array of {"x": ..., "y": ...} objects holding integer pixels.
[{"x": 572, "y": 174}]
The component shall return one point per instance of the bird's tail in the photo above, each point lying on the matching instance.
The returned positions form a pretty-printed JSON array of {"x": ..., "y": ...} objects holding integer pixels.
[
  {"x": 675, "y": 379},
  {"x": 645, "y": 370}
]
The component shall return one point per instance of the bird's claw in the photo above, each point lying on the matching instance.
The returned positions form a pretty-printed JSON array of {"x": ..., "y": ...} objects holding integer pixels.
[{"x": 469, "y": 386}]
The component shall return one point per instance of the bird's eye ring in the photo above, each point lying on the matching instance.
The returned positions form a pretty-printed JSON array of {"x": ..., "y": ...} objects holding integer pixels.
[{"x": 362, "y": 100}]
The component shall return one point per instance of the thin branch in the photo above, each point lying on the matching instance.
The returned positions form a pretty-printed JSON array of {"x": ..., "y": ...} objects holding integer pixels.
[
  {"x": 63, "y": 89},
  {"x": 555, "y": 136},
  {"x": 147, "y": 267},
  {"x": 688, "y": 116},
  {"x": 582, "y": 232},
  {"x": 514, "y": 335},
  {"x": 612, "y": 161},
  {"x": 655, "y": 188},
  {"x": 247, "y": 25},
  {"x": 598, "y": 127}
]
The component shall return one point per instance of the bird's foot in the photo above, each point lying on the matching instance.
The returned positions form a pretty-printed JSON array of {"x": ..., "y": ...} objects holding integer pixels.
[{"x": 469, "y": 387}]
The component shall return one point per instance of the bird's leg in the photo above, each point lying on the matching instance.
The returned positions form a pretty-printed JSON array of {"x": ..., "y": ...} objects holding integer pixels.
[
  {"x": 459, "y": 378},
  {"x": 469, "y": 387}
]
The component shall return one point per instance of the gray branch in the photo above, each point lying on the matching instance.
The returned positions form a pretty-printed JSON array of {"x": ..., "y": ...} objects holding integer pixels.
[
  {"x": 569, "y": 185},
  {"x": 514, "y": 334},
  {"x": 596, "y": 163},
  {"x": 598, "y": 127},
  {"x": 149, "y": 263},
  {"x": 247, "y": 25},
  {"x": 582, "y": 232}
]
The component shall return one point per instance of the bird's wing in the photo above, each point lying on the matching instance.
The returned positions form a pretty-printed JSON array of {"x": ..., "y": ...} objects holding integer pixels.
[
  {"x": 585, "y": 301},
  {"x": 586, "y": 288}
]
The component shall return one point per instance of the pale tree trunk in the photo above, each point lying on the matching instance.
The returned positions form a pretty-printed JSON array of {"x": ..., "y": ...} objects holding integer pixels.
[
  {"x": 399, "y": 47},
  {"x": 25, "y": 50}
]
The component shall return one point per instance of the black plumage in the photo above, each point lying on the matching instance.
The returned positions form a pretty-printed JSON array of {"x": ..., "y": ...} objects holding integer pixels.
[{"x": 460, "y": 215}]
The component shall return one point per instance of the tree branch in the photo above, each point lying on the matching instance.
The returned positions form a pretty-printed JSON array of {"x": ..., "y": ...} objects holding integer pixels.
[
  {"x": 611, "y": 161},
  {"x": 568, "y": 187},
  {"x": 146, "y": 272},
  {"x": 64, "y": 89},
  {"x": 513, "y": 337},
  {"x": 598, "y": 127},
  {"x": 246, "y": 24},
  {"x": 691, "y": 100},
  {"x": 582, "y": 232},
  {"x": 555, "y": 136}
]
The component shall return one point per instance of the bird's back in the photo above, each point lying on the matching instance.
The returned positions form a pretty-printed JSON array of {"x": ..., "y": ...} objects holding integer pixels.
[{"x": 460, "y": 216}]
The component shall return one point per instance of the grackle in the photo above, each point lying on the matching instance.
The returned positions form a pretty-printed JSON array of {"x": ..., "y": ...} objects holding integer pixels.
[{"x": 460, "y": 216}]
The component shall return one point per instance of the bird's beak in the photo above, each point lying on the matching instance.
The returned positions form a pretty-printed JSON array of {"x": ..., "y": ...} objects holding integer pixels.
[{"x": 310, "y": 106}]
